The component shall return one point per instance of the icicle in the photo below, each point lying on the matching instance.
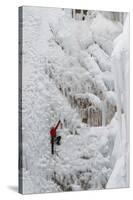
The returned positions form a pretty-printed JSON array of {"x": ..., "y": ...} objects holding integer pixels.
[{"x": 103, "y": 112}]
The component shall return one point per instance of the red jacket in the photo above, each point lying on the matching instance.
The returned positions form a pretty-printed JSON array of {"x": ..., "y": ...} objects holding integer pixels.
[{"x": 53, "y": 130}]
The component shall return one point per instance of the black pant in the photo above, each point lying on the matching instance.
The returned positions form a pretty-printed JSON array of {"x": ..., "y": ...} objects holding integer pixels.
[
  {"x": 52, "y": 145},
  {"x": 57, "y": 140}
]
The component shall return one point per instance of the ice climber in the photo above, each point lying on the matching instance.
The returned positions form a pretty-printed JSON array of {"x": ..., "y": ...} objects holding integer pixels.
[{"x": 54, "y": 137}]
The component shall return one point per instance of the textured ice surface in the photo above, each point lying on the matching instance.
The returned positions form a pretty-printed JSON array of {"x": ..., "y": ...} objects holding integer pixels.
[{"x": 67, "y": 70}]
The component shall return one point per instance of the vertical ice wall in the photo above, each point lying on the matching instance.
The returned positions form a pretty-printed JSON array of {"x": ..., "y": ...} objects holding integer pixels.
[{"x": 120, "y": 58}]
